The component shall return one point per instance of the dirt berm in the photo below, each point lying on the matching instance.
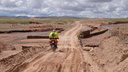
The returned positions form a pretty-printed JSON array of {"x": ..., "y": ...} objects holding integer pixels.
[
  {"x": 17, "y": 59},
  {"x": 109, "y": 50}
]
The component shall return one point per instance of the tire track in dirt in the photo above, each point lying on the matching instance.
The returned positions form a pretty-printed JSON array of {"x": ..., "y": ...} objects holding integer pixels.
[
  {"x": 73, "y": 62},
  {"x": 52, "y": 62},
  {"x": 71, "y": 59}
]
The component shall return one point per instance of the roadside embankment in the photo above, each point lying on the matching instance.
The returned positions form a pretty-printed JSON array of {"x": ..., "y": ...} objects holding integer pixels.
[
  {"x": 19, "y": 58},
  {"x": 108, "y": 49}
]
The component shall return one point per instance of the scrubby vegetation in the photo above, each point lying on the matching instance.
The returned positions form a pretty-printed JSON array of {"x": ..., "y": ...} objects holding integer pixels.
[
  {"x": 4, "y": 20},
  {"x": 11, "y": 24},
  {"x": 95, "y": 20}
]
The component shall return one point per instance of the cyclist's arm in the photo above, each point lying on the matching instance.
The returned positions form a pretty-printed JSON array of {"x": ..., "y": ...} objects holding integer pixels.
[{"x": 50, "y": 35}]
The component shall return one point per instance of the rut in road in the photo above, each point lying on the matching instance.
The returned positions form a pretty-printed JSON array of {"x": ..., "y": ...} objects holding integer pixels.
[{"x": 70, "y": 60}]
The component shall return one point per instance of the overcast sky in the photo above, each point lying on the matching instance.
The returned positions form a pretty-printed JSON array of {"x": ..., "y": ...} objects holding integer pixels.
[{"x": 76, "y": 8}]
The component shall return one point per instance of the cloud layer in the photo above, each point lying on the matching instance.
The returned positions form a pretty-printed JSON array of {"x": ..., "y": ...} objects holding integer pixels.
[{"x": 75, "y": 8}]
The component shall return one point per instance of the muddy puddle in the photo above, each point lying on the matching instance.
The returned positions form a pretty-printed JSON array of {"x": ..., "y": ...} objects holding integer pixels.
[
  {"x": 23, "y": 36},
  {"x": 26, "y": 33}
]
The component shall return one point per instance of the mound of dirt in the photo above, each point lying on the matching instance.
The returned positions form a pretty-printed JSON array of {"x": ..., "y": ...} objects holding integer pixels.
[
  {"x": 114, "y": 23},
  {"x": 6, "y": 46},
  {"x": 123, "y": 36},
  {"x": 7, "y": 64},
  {"x": 34, "y": 28},
  {"x": 109, "y": 49},
  {"x": 112, "y": 53},
  {"x": 119, "y": 22}
]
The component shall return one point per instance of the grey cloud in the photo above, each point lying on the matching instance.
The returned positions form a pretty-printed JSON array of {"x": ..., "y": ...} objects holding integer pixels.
[
  {"x": 100, "y": 0},
  {"x": 83, "y": 8},
  {"x": 36, "y": 4},
  {"x": 8, "y": 3}
]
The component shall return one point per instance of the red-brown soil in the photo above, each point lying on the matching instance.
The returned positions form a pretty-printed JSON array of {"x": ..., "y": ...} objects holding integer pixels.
[{"x": 107, "y": 53}]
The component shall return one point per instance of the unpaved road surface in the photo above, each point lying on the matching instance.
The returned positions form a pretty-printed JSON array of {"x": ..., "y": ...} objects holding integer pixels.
[{"x": 68, "y": 58}]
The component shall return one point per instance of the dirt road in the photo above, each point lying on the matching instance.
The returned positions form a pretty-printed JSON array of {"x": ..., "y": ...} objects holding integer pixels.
[{"x": 71, "y": 59}]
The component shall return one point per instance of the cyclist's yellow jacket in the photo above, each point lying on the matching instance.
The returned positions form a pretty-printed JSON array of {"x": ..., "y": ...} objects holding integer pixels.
[{"x": 53, "y": 35}]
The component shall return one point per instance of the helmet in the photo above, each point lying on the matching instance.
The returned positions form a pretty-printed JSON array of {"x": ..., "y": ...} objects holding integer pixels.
[{"x": 54, "y": 30}]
